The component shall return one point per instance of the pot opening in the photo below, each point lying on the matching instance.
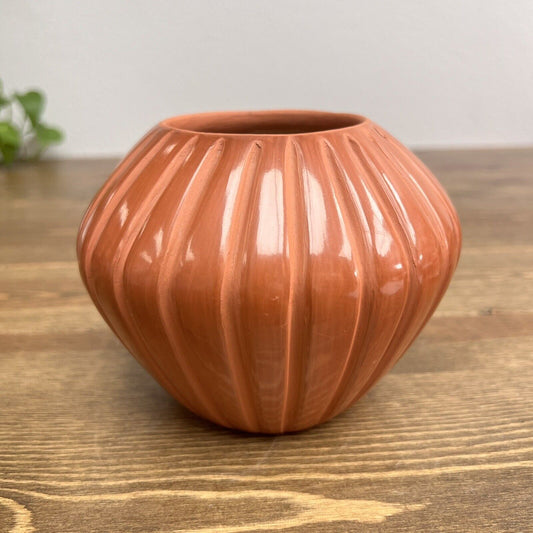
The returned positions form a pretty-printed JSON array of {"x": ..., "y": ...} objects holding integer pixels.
[{"x": 264, "y": 122}]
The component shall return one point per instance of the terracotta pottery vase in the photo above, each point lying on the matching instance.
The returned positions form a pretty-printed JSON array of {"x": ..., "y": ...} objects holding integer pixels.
[{"x": 267, "y": 268}]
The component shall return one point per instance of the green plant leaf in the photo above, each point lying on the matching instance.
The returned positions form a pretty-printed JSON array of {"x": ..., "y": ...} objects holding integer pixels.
[
  {"x": 9, "y": 135},
  {"x": 9, "y": 153},
  {"x": 47, "y": 135},
  {"x": 33, "y": 105},
  {"x": 9, "y": 142}
]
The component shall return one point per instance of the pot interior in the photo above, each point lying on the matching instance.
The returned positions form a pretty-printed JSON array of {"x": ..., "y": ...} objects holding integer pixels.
[{"x": 264, "y": 122}]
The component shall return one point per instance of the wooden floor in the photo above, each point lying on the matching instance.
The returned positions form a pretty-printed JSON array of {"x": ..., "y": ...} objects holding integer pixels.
[{"x": 90, "y": 443}]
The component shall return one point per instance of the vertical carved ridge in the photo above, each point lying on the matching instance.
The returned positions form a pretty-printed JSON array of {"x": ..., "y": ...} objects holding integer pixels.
[
  {"x": 103, "y": 195},
  {"x": 435, "y": 187},
  {"x": 424, "y": 171},
  {"x": 138, "y": 221},
  {"x": 180, "y": 229},
  {"x": 114, "y": 197},
  {"x": 381, "y": 189},
  {"x": 358, "y": 243},
  {"x": 298, "y": 307},
  {"x": 429, "y": 180},
  {"x": 230, "y": 304},
  {"x": 117, "y": 195},
  {"x": 115, "y": 176},
  {"x": 436, "y": 225},
  {"x": 86, "y": 222}
]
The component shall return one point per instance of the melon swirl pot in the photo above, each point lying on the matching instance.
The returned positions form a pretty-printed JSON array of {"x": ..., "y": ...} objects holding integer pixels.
[{"x": 267, "y": 268}]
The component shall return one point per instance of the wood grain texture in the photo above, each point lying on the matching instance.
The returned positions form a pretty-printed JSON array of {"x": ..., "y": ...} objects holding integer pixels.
[{"x": 90, "y": 443}]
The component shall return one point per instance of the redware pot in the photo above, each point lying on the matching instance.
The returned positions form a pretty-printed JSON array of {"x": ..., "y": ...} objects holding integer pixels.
[{"x": 267, "y": 268}]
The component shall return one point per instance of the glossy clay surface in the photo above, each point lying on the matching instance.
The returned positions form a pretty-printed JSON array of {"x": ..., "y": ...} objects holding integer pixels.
[{"x": 267, "y": 268}]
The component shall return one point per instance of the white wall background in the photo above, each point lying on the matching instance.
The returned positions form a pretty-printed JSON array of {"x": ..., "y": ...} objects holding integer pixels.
[{"x": 433, "y": 72}]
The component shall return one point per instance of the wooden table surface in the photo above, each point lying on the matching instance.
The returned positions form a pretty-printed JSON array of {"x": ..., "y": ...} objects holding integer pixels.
[{"x": 90, "y": 443}]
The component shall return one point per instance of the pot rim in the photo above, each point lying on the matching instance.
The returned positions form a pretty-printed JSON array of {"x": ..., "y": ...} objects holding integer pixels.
[{"x": 265, "y": 123}]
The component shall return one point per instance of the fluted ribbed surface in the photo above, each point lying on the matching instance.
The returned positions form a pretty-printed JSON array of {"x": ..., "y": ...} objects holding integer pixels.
[{"x": 268, "y": 281}]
